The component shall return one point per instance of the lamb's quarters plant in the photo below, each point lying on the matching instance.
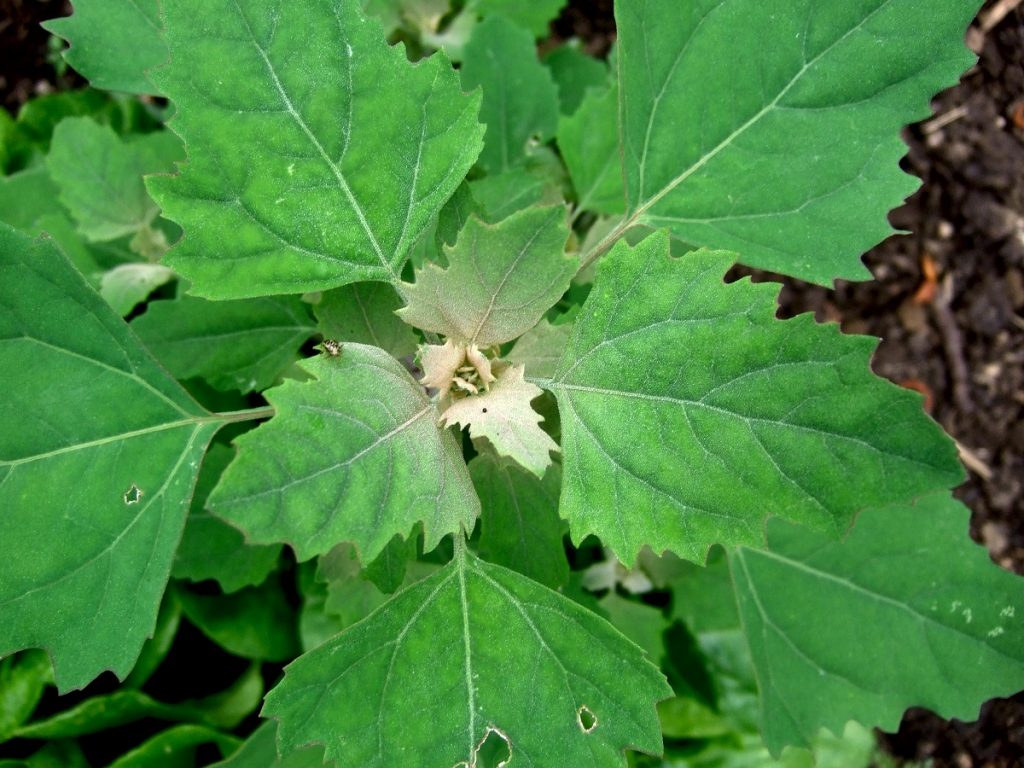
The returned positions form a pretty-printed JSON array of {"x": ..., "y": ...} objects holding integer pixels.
[{"x": 373, "y": 297}]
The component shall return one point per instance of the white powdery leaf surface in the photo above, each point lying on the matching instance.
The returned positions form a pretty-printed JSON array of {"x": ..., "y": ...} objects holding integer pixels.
[{"x": 503, "y": 415}]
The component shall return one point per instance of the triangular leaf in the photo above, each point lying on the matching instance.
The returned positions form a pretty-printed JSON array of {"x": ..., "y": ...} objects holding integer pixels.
[
  {"x": 353, "y": 455},
  {"x": 73, "y": 458},
  {"x": 520, "y": 663},
  {"x": 500, "y": 280},
  {"x": 244, "y": 345},
  {"x": 748, "y": 416},
  {"x": 520, "y": 100},
  {"x": 907, "y": 611},
  {"x": 797, "y": 166},
  {"x": 113, "y": 42},
  {"x": 294, "y": 182}
]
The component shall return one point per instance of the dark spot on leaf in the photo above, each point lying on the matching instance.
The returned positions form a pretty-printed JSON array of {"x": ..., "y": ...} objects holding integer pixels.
[{"x": 485, "y": 410}]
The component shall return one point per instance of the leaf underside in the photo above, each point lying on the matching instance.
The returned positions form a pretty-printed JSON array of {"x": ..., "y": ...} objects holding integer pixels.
[
  {"x": 746, "y": 416},
  {"x": 796, "y": 166},
  {"x": 906, "y": 611},
  {"x": 473, "y": 650},
  {"x": 294, "y": 182},
  {"x": 353, "y": 455},
  {"x": 114, "y": 481}
]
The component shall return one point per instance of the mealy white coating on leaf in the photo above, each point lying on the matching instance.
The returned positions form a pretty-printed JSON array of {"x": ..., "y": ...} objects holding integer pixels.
[
  {"x": 503, "y": 415},
  {"x": 500, "y": 281}
]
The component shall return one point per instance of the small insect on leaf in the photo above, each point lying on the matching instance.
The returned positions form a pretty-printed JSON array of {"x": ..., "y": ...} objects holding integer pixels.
[{"x": 332, "y": 347}]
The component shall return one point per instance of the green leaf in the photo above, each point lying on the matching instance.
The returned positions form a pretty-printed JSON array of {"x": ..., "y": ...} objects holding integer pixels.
[
  {"x": 73, "y": 458},
  {"x": 500, "y": 195},
  {"x": 260, "y": 751},
  {"x": 541, "y": 347},
  {"x": 176, "y": 748},
  {"x": 589, "y": 142},
  {"x": 244, "y": 345},
  {"x": 294, "y": 182},
  {"x": 127, "y": 285},
  {"x": 29, "y": 203},
  {"x": 703, "y": 596},
  {"x": 365, "y": 313},
  {"x": 907, "y": 611},
  {"x": 159, "y": 644},
  {"x": 29, "y": 139},
  {"x": 500, "y": 280},
  {"x": 100, "y": 713},
  {"x": 212, "y": 549},
  {"x": 736, "y": 407},
  {"x": 380, "y": 695},
  {"x": 797, "y": 167},
  {"x": 534, "y": 15},
  {"x": 114, "y": 43},
  {"x": 387, "y": 570},
  {"x": 27, "y": 196},
  {"x": 100, "y": 175},
  {"x": 353, "y": 455},
  {"x": 520, "y": 100},
  {"x": 641, "y": 623},
  {"x": 519, "y": 527},
  {"x": 56, "y": 754},
  {"x": 23, "y": 678},
  {"x": 574, "y": 72},
  {"x": 254, "y": 622},
  {"x": 350, "y": 596}
]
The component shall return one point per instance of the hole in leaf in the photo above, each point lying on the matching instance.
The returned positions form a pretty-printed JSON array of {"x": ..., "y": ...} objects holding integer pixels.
[
  {"x": 133, "y": 495},
  {"x": 587, "y": 720},
  {"x": 493, "y": 751}
]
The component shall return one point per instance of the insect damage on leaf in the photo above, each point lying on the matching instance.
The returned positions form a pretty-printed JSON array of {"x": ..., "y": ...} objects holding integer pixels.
[
  {"x": 586, "y": 719},
  {"x": 493, "y": 743}
]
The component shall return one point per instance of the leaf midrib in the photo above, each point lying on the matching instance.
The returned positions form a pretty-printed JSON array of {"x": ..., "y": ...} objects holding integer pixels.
[
  {"x": 304, "y": 127},
  {"x": 736, "y": 133},
  {"x": 682, "y": 402}
]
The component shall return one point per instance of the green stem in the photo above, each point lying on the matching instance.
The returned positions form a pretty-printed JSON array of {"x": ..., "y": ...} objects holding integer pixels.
[
  {"x": 264, "y": 412},
  {"x": 459, "y": 539},
  {"x": 606, "y": 242}
]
